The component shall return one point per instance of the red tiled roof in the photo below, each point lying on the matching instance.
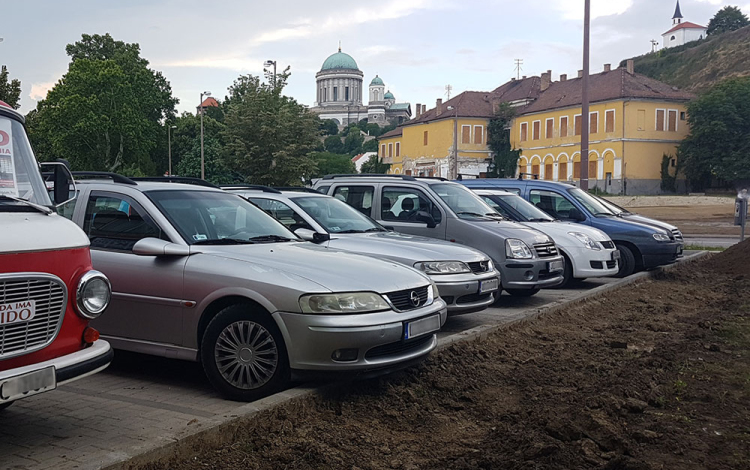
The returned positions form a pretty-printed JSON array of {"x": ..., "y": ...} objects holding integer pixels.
[
  {"x": 394, "y": 133},
  {"x": 210, "y": 101},
  {"x": 685, "y": 25}
]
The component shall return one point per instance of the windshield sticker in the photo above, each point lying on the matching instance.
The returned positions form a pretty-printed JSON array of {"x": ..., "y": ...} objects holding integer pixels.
[
  {"x": 198, "y": 237},
  {"x": 8, "y": 180}
]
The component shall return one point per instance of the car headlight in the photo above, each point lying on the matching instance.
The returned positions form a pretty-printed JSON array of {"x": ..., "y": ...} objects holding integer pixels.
[
  {"x": 515, "y": 248},
  {"x": 93, "y": 294},
  {"x": 660, "y": 237},
  {"x": 433, "y": 294},
  {"x": 587, "y": 241},
  {"x": 442, "y": 267},
  {"x": 349, "y": 302},
  {"x": 490, "y": 266}
]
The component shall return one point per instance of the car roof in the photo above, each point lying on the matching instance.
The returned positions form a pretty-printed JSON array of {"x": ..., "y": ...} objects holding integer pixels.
[
  {"x": 490, "y": 192},
  {"x": 330, "y": 179},
  {"x": 144, "y": 186}
]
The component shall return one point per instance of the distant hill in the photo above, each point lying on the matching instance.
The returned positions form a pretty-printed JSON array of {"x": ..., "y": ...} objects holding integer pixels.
[{"x": 699, "y": 65}]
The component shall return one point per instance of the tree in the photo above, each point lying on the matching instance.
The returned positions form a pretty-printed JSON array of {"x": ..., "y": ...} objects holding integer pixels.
[
  {"x": 187, "y": 137},
  {"x": 268, "y": 136},
  {"x": 374, "y": 165},
  {"x": 370, "y": 146},
  {"x": 718, "y": 144},
  {"x": 353, "y": 142},
  {"x": 216, "y": 171},
  {"x": 505, "y": 159},
  {"x": 333, "y": 144},
  {"x": 10, "y": 91},
  {"x": 329, "y": 127},
  {"x": 333, "y": 164},
  {"x": 727, "y": 19}
]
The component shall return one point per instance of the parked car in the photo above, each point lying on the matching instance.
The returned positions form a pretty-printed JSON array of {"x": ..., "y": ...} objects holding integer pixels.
[
  {"x": 641, "y": 246},
  {"x": 203, "y": 275},
  {"x": 48, "y": 290},
  {"x": 465, "y": 277},
  {"x": 528, "y": 260},
  {"x": 588, "y": 252}
]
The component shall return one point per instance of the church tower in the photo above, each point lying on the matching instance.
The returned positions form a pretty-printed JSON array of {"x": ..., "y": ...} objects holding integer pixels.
[{"x": 677, "y": 18}]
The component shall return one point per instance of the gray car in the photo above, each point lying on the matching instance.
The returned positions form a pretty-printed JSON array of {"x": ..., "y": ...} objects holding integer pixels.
[
  {"x": 465, "y": 277},
  {"x": 204, "y": 275},
  {"x": 434, "y": 207}
]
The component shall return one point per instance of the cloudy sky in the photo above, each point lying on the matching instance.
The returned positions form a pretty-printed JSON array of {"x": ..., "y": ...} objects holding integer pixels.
[{"x": 416, "y": 46}]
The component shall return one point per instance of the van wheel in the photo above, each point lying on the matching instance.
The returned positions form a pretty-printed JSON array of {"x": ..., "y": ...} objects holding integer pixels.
[
  {"x": 523, "y": 292},
  {"x": 5, "y": 405},
  {"x": 243, "y": 354},
  {"x": 627, "y": 261}
]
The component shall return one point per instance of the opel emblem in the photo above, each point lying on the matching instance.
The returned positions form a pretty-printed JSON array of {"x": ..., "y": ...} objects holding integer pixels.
[{"x": 414, "y": 298}]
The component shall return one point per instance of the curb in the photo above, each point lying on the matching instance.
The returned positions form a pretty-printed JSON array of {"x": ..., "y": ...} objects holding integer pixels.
[{"x": 188, "y": 445}]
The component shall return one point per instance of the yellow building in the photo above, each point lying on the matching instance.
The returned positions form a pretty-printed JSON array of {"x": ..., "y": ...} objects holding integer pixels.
[{"x": 634, "y": 121}]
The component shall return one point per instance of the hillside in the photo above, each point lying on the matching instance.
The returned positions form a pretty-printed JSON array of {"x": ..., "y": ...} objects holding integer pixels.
[{"x": 699, "y": 65}]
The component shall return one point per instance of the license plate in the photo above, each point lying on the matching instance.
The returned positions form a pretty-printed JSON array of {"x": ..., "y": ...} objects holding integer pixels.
[
  {"x": 29, "y": 384},
  {"x": 422, "y": 327},
  {"x": 489, "y": 285},
  {"x": 615, "y": 255},
  {"x": 679, "y": 250},
  {"x": 555, "y": 266}
]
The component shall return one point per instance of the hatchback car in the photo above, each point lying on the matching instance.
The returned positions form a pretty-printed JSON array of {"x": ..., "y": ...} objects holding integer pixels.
[
  {"x": 203, "y": 275},
  {"x": 465, "y": 277}
]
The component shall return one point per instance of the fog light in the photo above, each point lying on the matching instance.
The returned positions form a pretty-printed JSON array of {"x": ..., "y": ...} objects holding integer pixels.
[
  {"x": 345, "y": 355},
  {"x": 90, "y": 335},
  {"x": 528, "y": 275}
]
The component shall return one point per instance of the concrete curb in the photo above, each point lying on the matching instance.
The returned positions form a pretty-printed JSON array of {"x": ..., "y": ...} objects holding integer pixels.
[{"x": 189, "y": 444}]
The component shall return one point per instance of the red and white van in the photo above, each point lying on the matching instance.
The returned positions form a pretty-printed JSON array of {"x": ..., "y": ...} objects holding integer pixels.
[{"x": 48, "y": 290}]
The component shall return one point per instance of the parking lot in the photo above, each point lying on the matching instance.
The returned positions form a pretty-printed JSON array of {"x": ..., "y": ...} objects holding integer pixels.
[{"x": 141, "y": 403}]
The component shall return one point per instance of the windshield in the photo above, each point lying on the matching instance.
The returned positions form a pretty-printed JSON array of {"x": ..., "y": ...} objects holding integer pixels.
[
  {"x": 596, "y": 208},
  {"x": 517, "y": 208},
  {"x": 337, "y": 216},
  {"x": 611, "y": 206},
  {"x": 209, "y": 217},
  {"x": 462, "y": 201},
  {"x": 19, "y": 172}
]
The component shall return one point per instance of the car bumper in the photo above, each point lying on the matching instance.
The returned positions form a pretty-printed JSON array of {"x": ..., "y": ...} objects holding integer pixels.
[
  {"x": 592, "y": 263},
  {"x": 378, "y": 338},
  {"x": 661, "y": 254},
  {"x": 530, "y": 274},
  {"x": 58, "y": 371},
  {"x": 461, "y": 292}
]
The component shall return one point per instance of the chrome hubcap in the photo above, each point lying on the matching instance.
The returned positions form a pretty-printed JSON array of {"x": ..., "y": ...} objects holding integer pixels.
[{"x": 246, "y": 355}]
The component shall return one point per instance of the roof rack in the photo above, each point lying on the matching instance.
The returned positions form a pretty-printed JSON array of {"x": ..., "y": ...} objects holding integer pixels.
[
  {"x": 117, "y": 178},
  {"x": 298, "y": 189},
  {"x": 438, "y": 178},
  {"x": 370, "y": 175},
  {"x": 176, "y": 179},
  {"x": 256, "y": 187},
  {"x": 534, "y": 176}
]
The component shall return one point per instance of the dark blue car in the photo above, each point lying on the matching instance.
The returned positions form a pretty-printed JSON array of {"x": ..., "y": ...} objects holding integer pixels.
[{"x": 641, "y": 246}]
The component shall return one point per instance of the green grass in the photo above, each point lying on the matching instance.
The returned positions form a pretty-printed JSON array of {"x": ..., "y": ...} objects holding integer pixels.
[{"x": 704, "y": 248}]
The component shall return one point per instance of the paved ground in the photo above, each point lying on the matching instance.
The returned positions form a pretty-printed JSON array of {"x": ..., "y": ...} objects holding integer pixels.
[{"x": 142, "y": 402}]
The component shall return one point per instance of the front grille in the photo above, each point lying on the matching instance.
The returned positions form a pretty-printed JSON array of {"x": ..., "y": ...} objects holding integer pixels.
[
  {"x": 546, "y": 250},
  {"x": 50, "y": 296},
  {"x": 401, "y": 299},
  {"x": 609, "y": 245},
  {"x": 399, "y": 348},
  {"x": 611, "y": 264},
  {"x": 677, "y": 235},
  {"x": 596, "y": 264},
  {"x": 479, "y": 266},
  {"x": 471, "y": 298}
]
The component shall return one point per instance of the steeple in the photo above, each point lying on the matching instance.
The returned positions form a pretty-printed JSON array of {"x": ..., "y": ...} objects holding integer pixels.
[{"x": 677, "y": 18}]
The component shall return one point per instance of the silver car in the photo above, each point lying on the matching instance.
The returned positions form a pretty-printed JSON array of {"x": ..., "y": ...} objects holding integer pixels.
[
  {"x": 203, "y": 275},
  {"x": 465, "y": 277}
]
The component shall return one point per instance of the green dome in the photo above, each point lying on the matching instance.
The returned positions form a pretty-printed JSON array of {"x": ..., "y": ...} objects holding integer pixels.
[
  {"x": 377, "y": 81},
  {"x": 389, "y": 96},
  {"x": 339, "y": 60}
]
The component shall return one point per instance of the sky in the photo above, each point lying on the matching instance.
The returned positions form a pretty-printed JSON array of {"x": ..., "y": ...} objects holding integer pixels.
[{"x": 416, "y": 46}]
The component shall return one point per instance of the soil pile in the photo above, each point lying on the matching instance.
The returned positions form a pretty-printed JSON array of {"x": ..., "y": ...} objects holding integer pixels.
[{"x": 652, "y": 376}]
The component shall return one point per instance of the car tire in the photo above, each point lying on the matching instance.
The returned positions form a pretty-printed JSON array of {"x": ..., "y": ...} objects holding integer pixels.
[
  {"x": 523, "y": 292},
  {"x": 568, "y": 279},
  {"x": 626, "y": 263},
  {"x": 243, "y": 354}
]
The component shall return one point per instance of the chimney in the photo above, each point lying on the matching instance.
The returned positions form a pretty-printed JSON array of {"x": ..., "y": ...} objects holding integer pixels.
[
  {"x": 524, "y": 77},
  {"x": 563, "y": 77},
  {"x": 580, "y": 74},
  {"x": 424, "y": 108},
  {"x": 546, "y": 79},
  {"x": 607, "y": 67},
  {"x": 419, "y": 110},
  {"x": 439, "y": 107},
  {"x": 631, "y": 66}
]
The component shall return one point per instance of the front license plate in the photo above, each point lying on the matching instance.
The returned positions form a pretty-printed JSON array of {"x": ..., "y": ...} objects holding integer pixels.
[
  {"x": 490, "y": 285},
  {"x": 29, "y": 384},
  {"x": 422, "y": 327},
  {"x": 615, "y": 255},
  {"x": 555, "y": 266}
]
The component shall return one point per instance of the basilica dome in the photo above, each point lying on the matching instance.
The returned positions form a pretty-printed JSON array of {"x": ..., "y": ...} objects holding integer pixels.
[{"x": 339, "y": 61}]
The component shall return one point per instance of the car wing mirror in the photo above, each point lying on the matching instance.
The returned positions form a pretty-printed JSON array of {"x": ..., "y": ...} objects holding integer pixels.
[
  {"x": 575, "y": 214},
  {"x": 155, "y": 247},
  {"x": 311, "y": 236},
  {"x": 426, "y": 218},
  {"x": 62, "y": 180}
]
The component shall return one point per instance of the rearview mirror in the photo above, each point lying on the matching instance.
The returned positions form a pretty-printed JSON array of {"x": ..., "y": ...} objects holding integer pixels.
[
  {"x": 309, "y": 235},
  {"x": 575, "y": 214},
  {"x": 426, "y": 218},
  {"x": 156, "y": 247}
]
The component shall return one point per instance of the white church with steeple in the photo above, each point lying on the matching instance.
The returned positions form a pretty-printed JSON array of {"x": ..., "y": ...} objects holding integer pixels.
[{"x": 682, "y": 31}]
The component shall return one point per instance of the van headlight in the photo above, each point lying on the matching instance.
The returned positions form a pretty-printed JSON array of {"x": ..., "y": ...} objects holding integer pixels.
[
  {"x": 442, "y": 267},
  {"x": 660, "y": 237},
  {"x": 515, "y": 248},
  {"x": 349, "y": 302},
  {"x": 587, "y": 241},
  {"x": 93, "y": 294}
]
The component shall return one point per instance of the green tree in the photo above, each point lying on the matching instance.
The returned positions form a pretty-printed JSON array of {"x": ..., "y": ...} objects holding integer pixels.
[
  {"x": 216, "y": 171},
  {"x": 10, "y": 90},
  {"x": 353, "y": 142},
  {"x": 727, "y": 19},
  {"x": 370, "y": 146},
  {"x": 374, "y": 165},
  {"x": 329, "y": 127},
  {"x": 719, "y": 142},
  {"x": 505, "y": 159},
  {"x": 269, "y": 136},
  {"x": 334, "y": 144},
  {"x": 333, "y": 164}
]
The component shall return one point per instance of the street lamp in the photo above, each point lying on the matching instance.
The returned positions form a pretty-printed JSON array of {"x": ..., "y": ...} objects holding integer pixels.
[
  {"x": 269, "y": 63},
  {"x": 203, "y": 162},
  {"x": 453, "y": 162},
  {"x": 585, "y": 118},
  {"x": 169, "y": 140}
]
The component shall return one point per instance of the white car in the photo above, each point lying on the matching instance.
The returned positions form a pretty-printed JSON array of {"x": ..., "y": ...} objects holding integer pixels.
[{"x": 588, "y": 251}]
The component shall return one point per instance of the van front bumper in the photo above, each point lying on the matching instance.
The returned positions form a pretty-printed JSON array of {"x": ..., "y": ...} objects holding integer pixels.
[{"x": 530, "y": 274}]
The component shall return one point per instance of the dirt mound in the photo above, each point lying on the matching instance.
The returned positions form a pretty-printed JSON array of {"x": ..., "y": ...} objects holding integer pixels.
[{"x": 735, "y": 261}]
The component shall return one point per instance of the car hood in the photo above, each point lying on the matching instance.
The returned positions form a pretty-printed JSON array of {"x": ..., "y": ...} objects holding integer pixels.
[
  {"x": 334, "y": 270},
  {"x": 648, "y": 221},
  {"x": 404, "y": 248},
  {"x": 507, "y": 229},
  {"x": 559, "y": 230},
  {"x": 34, "y": 231}
]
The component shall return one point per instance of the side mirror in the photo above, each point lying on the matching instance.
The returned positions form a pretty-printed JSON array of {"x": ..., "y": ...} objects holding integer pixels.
[
  {"x": 62, "y": 179},
  {"x": 309, "y": 235},
  {"x": 426, "y": 217},
  {"x": 575, "y": 214},
  {"x": 156, "y": 247}
]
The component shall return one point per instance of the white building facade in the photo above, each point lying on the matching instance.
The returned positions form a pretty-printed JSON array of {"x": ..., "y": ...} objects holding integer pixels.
[{"x": 682, "y": 32}]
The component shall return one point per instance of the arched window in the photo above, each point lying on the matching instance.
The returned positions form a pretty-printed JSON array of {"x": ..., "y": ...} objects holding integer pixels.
[{"x": 672, "y": 38}]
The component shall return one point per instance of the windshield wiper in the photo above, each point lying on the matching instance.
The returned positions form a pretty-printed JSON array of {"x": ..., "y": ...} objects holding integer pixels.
[
  {"x": 224, "y": 241},
  {"x": 539, "y": 220},
  {"x": 350, "y": 231},
  {"x": 605, "y": 214},
  {"x": 42, "y": 209},
  {"x": 270, "y": 239},
  {"x": 375, "y": 229},
  {"x": 473, "y": 214}
]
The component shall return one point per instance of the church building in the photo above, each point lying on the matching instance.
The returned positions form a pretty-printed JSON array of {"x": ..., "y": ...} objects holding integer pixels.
[{"x": 682, "y": 31}]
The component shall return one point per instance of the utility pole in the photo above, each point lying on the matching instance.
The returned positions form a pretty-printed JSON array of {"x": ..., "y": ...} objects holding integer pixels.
[
  {"x": 654, "y": 44},
  {"x": 585, "y": 118},
  {"x": 203, "y": 161},
  {"x": 269, "y": 63},
  {"x": 169, "y": 140},
  {"x": 519, "y": 63},
  {"x": 453, "y": 161}
]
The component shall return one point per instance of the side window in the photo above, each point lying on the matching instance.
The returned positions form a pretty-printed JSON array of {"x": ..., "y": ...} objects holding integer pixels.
[
  {"x": 282, "y": 212},
  {"x": 67, "y": 209},
  {"x": 117, "y": 223},
  {"x": 359, "y": 197},
  {"x": 551, "y": 202},
  {"x": 403, "y": 204}
]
